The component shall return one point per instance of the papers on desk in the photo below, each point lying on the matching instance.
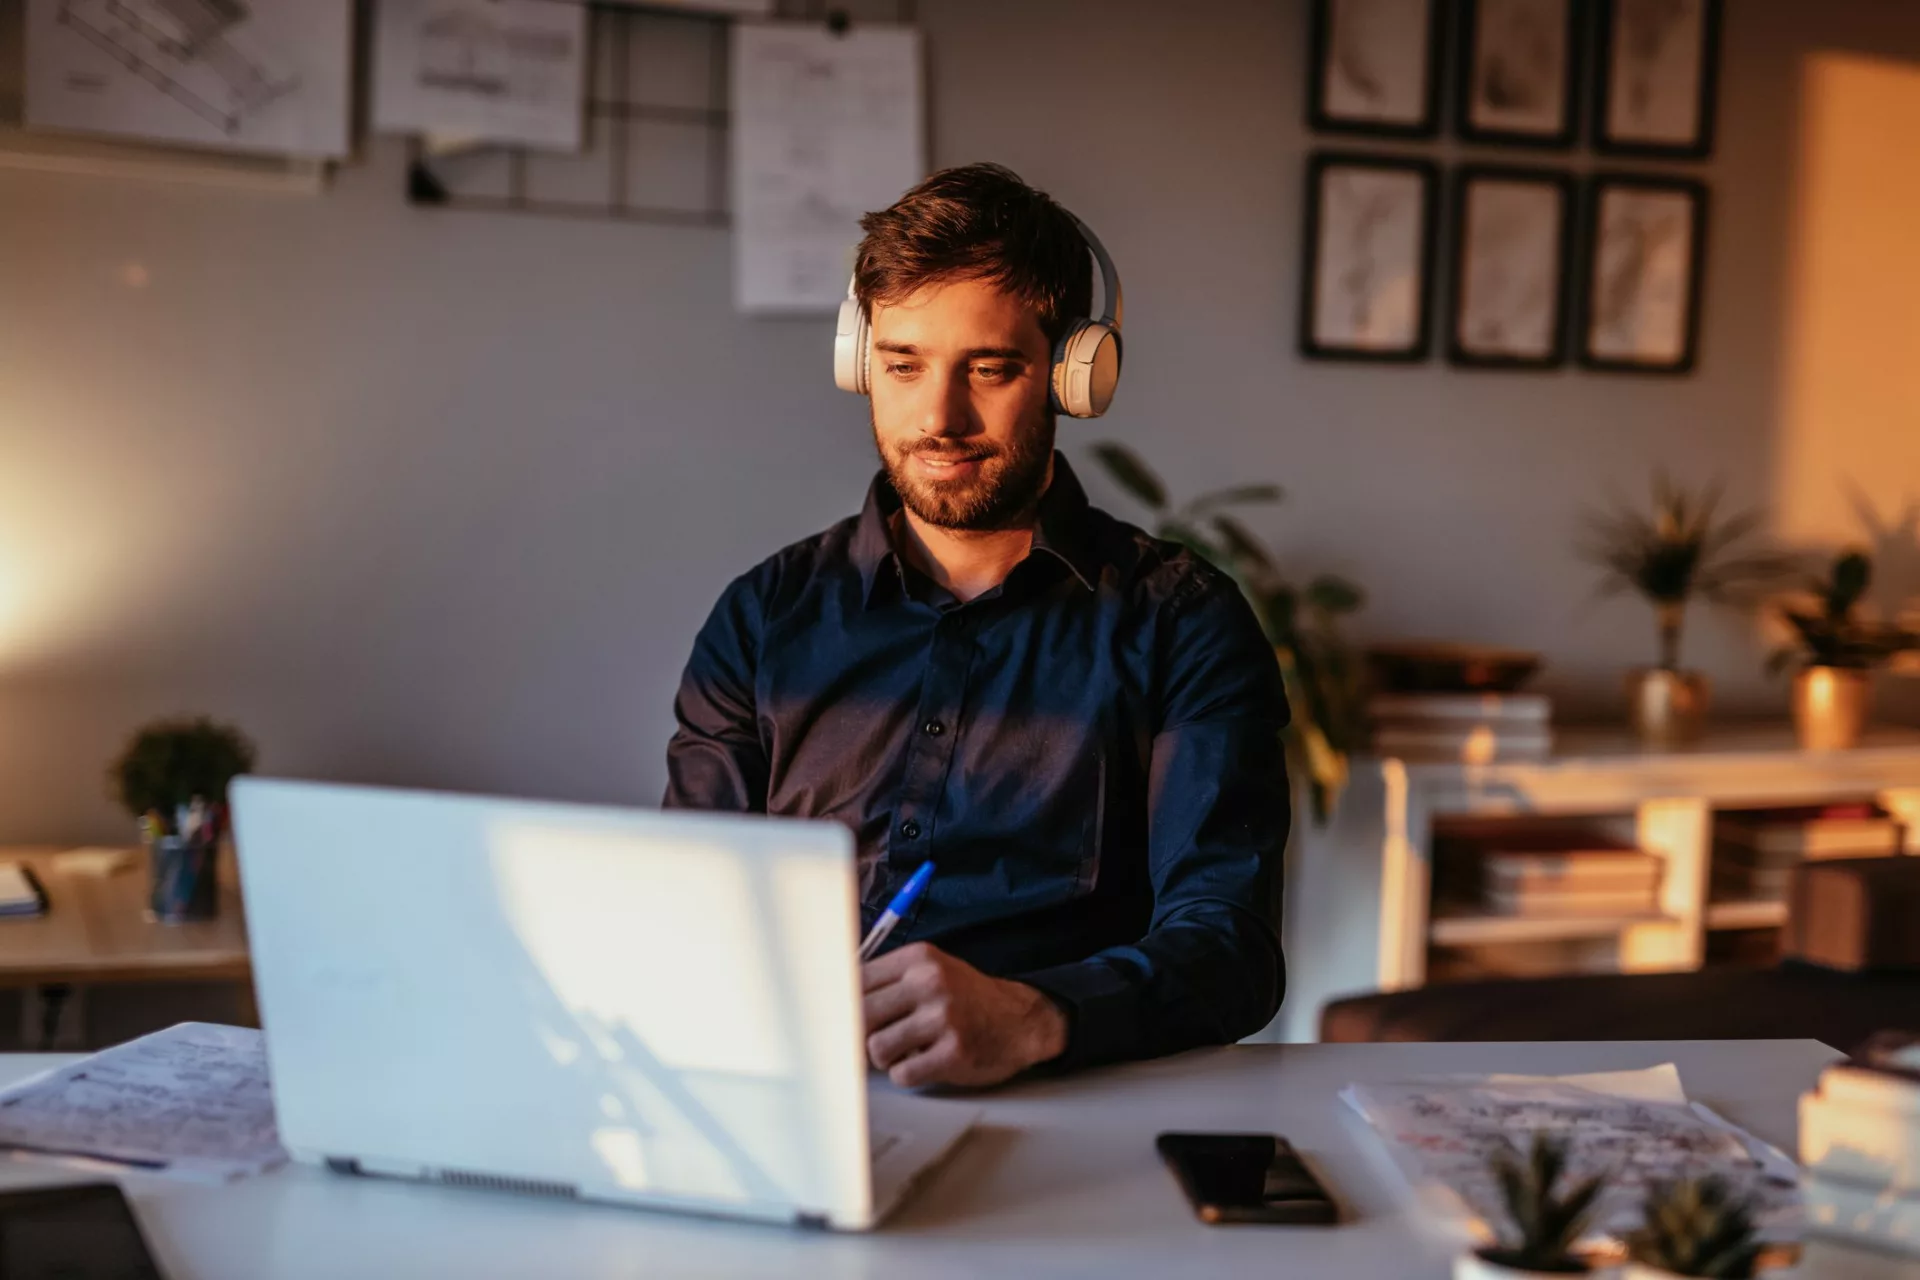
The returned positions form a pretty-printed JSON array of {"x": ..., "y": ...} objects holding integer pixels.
[
  {"x": 189, "y": 1102},
  {"x": 1631, "y": 1126}
]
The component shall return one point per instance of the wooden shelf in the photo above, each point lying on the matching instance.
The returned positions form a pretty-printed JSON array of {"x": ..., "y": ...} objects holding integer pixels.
[
  {"x": 1755, "y": 913},
  {"x": 1673, "y": 795},
  {"x": 1376, "y": 862},
  {"x": 1464, "y": 929}
]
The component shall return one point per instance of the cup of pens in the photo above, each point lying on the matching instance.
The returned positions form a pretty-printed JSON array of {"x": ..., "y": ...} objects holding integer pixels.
[
  {"x": 183, "y": 865},
  {"x": 172, "y": 778}
]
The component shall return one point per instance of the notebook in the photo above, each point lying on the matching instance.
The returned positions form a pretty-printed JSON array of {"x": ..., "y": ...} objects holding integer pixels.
[{"x": 20, "y": 891}]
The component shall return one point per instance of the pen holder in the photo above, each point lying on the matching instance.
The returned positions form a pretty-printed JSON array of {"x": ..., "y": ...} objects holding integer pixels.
[{"x": 184, "y": 884}]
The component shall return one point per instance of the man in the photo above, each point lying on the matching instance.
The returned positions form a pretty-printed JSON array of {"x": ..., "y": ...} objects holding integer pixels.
[{"x": 1078, "y": 724}]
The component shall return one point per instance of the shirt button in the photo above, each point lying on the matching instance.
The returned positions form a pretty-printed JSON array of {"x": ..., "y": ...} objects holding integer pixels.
[
  {"x": 933, "y": 728},
  {"x": 910, "y": 830}
]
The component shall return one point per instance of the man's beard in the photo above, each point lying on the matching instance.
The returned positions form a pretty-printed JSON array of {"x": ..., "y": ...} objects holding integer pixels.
[{"x": 1002, "y": 495}]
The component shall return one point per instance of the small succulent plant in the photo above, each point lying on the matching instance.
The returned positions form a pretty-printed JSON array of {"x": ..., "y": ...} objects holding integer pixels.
[
  {"x": 1696, "y": 1227},
  {"x": 1832, "y": 633},
  {"x": 171, "y": 763},
  {"x": 1681, "y": 551},
  {"x": 1548, "y": 1221}
]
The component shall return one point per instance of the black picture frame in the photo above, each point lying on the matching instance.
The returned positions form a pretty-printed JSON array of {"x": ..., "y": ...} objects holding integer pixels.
[
  {"x": 1707, "y": 90},
  {"x": 1466, "y": 83},
  {"x": 1319, "y": 60},
  {"x": 1312, "y": 342},
  {"x": 1564, "y": 188},
  {"x": 1594, "y": 291}
]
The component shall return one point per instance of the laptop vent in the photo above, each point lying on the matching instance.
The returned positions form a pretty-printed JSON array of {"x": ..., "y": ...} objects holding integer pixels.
[{"x": 517, "y": 1186}]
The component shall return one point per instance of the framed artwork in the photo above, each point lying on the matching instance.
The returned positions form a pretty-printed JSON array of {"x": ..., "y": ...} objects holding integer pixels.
[
  {"x": 1368, "y": 270},
  {"x": 1645, "y": 260},
  {"x": 1658, "y": 76},
  {"x": 1511, "y": 253},
  {"x": 1518, "y": 65},
  {"x": 1375, "y": 67}
]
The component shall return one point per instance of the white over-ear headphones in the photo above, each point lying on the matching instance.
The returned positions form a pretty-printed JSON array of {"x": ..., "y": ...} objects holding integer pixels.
[{"x": 1086, "y": 360}]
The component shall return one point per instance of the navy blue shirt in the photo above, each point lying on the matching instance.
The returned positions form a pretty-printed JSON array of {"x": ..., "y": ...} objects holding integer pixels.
[{"x": 1090, "y": 753}]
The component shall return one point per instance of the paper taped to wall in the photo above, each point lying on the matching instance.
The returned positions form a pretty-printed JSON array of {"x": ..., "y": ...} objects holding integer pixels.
[
  {"x": 246, "y": 75},
  {"x": 825, "y": 127},
  {"x": 509, "y": 71},
  {"x": 189, "y": 1102}
]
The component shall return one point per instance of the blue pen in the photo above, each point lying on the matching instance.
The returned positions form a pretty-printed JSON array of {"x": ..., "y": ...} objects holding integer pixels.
[{"x": 902, "y": 903}]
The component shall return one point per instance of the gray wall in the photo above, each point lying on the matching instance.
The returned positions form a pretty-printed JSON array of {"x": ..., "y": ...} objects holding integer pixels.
[{"x": 440, "y": 498}]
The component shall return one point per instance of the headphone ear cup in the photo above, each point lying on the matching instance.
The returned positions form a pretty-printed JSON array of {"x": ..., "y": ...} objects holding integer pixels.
[
  {"x": 1086, "y": 369},
  {"x": 850, "y": 344}
]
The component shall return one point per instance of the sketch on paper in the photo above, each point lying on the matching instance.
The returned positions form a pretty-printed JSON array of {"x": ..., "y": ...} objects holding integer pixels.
[
  {"x": 1510, "y": 271},
  {"x": 183, "y": 48},
  {"x": 1518, "y": 68},
  {"x": 190, "y": 1102},
  {"x": 1370, "y": 259},
  {"x": 1655, "y": 72},
  {"x": 1377, "y": 61},
  {"x": 1441, "y": 1134},
  {"x": 1642, "y": 276},
  {"x": 825, "y": 128},
  {"x": 262, "y": 75},
  {"x": 504, "y": 71}
]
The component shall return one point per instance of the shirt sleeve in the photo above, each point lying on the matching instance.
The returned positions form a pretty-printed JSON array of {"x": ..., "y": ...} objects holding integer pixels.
[
  {"x": 716, "y": 759},
  {"x": 1210, "y": 969}
]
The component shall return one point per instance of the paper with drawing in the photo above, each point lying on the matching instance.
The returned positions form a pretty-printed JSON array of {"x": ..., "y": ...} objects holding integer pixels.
[
  {"x": 1633, "y": 1127},
  {"x": 189, "y": 1102}
]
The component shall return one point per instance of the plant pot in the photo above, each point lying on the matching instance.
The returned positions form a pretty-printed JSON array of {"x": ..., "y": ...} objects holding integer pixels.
[
  {"x": 1830, "y": 706},
  {"x": 1641, "y": 1271},
  {"x": 184, "y": 885},
  {"x": 1474, "y": 1266},
  {"x": 1668, "y": 708}
]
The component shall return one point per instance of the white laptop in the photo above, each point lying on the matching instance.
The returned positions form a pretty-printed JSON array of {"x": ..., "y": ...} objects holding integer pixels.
[{"x": 657, "y": 1009}]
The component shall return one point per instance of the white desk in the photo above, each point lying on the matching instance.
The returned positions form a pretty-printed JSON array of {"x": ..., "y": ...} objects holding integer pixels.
[{"x": 1063, "y": 1181}]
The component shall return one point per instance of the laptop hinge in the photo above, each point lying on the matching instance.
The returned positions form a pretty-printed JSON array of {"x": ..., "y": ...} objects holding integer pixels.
[{"x": 810, "y": 1221}]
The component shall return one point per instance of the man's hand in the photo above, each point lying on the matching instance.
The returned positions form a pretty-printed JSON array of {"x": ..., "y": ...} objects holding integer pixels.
[{"x": 932, "y": 1019}]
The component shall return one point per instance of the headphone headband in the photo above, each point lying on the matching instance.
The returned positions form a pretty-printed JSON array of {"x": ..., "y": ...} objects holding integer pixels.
[{"x": 1110, "y": 300}]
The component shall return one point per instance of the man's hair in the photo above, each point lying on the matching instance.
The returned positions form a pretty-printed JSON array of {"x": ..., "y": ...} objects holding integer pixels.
[{"x": 978, "y": 222}]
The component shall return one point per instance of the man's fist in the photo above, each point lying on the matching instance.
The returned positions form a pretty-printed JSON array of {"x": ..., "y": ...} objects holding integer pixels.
[{"x": 932, "y": 1019}]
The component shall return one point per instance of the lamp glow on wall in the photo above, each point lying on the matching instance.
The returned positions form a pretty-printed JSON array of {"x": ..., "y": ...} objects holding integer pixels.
[
  {"x": 9, "y": 604},
  {"x": 81, "y": 565},
  {"x": 1850, "y": 425}
]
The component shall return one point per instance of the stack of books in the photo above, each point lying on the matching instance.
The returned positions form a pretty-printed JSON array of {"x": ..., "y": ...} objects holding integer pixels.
[
  {"x": 1544, "y": 867},
  {"x": 1580, "y": 882},
  {"x": 1478, "y": 728},
  {"x": 1755, "y": 853},
  {"x": 1860, "y": 1143}
]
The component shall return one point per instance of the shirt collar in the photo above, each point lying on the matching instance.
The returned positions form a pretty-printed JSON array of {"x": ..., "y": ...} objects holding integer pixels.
[{"x": 1061, "y": 531}]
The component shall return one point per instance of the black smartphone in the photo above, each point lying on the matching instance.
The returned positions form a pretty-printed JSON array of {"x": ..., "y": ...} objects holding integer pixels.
[
  {"x": 85, "y": 1231},
  {"x": 1246, "y": 1177}
]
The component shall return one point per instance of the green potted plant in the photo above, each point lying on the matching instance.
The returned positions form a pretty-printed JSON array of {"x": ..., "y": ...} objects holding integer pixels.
[
  {"x": 1694, "y": 1227},
  {"x": 1681, "y": 551},
  {"x": 172, "y": 777},
  {"x": 1837, "y": 652},
  {"x": 1321, "y": 674},
  {"x": 1546, "y": 1221}
]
